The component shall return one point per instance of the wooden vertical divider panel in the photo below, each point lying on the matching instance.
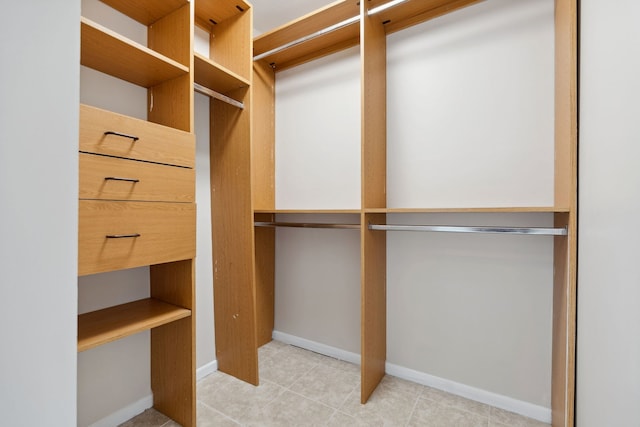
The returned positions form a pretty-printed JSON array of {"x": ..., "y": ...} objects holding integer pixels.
[
  {"x": 373, "y": 163},
  {"x": 170, "y": 103},
  {"x": 233, "y": 238},
  {"x": 566, "y": 190},
  {"x": 265, "y": 272},
  {"x": 231, "y": 43},
  {"x": 263, "y": 138},
  {"x": 173, "y": 362},
  {"x": 373, "y": 304}
]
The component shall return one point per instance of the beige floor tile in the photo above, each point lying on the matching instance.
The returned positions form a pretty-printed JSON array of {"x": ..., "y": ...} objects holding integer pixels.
[
  {"x": 291, "y": 409},
  {"x": 287, "y": 365},
  {"x": 429, "y": 413},
  {"x": 212, "y": 384},
  {"x": 340, "y": 419},
  {"x": 149, "y": 418},
  {"x": 240, "y": 400},
  {"x": 391, "y": 404},
  {"x": 209, "y": 417},
  {"x": 500, "y": 418},
  {"x": 465, "y": 404},
  {"x": 327, "y": 384},
  {"x": 271, "y": 348}
]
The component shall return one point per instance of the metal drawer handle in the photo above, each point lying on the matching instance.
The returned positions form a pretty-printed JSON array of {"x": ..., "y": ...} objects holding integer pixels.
[
  {"x": 124, "y": 135},
  {"x": 122, "y": 236},
  {"x": 115, "y": 178}
]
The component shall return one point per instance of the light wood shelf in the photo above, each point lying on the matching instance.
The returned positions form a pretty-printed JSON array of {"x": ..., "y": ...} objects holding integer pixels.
[
  {"x": 216, "y": 77},
  {"x": 146, "y": 11},
  {"x": 307, "y": 211},
  {"x": 549, "y": 209},
  {"x": 109, "y": 52},
  {"x": 396, "y": 18},
  {"x": 103, "y": 326}
]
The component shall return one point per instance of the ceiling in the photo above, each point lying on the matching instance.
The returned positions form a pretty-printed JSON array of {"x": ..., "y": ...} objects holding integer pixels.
[{"x": 269, "y": 14}]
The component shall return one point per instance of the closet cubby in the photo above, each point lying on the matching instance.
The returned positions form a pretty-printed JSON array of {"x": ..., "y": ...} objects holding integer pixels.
[
  {"x": 368, "y": 24},
  {"x": 137, "y": 192}
]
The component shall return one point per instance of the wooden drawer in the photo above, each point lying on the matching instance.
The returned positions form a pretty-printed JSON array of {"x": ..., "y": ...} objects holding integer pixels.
[
  {"x": 154, "y": 143},
  {"x": 112, "y": 178},
  {"x": 167, "y": 232}
]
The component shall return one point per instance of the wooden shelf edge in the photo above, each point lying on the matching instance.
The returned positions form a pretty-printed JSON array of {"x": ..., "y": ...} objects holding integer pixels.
[
  {"x": 216, "y": 77},
  {"x": 103, "y": 326},
  {"x": 507, "y": 209},
  {"x": 107, "y": 51},
  {"x": 307, "y": 211}
]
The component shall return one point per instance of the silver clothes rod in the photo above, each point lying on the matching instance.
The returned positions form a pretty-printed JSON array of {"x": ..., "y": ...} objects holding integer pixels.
[
  {"x": 541, "y": 231},
  {"x": 213, "y": 94},
  {"x": 327, "y": 30},
  {"x": 311, "y": 36},
  {"x": 307, "y": 225}
]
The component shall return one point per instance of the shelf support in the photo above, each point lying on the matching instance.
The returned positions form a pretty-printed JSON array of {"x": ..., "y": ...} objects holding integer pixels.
[{"x": 216, "y": 95}]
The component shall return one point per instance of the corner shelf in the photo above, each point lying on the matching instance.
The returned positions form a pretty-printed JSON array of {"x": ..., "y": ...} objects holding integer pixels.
[
  {"x": 216, "y": 77},
  {"x": 103, "y": 326},
  {"x": 109, "y": 52}
]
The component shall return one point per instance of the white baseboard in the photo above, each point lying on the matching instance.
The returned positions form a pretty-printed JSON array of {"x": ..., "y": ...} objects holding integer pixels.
[
  {"x": 507, "y": 403},
  {"x": 526, "y": 409},
  {"x": 141, "y": 405},
  {"x": 126, "y": 413},
  {"x": 206, "y": 369},
  {"x": 317, "y": 347}
]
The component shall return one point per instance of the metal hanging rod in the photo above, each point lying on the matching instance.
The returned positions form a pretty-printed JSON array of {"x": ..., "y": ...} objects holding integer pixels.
[
  {"x": 307, "y": 225},
  {"x": 327, "y": 30},
  {"x": 213, "y": 94},
  {"x": 472, "y": 229}
]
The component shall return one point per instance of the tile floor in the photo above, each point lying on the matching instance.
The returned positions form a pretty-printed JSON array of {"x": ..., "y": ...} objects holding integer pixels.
[{"x": 302, "y": 388}]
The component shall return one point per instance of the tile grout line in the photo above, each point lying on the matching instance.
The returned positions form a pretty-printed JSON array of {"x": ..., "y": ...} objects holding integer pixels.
[
  {"x": 415, "y": 404},
  {"x": 221, "y": 413}
]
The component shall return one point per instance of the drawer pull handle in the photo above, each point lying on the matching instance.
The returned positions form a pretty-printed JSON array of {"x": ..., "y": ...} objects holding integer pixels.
[
  {"x": 124, "y": 135},
  {"x": 115, "y": 178},
  {"x": 122, "y": 236}
]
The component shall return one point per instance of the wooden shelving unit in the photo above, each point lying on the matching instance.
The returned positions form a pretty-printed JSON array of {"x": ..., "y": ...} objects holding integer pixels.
[
  {"x": 226, "y": 70},
  {"x": 110, "y": 324},
  {"x": 137, "y": 193},
  {"x": 110, "y": 53},
  {"x": 368, "y": 24}
]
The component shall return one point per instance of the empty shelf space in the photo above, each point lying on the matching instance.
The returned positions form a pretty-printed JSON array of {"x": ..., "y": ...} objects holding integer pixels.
[
  {"x": 146, "y": 11},
  {"x": 216, "y": 77},
  {"x": 307, "y": 211},
  {"x": 108, "y": 52},
  {"x": 110, "y": 324},
  {"x": 215, "y": 12}
]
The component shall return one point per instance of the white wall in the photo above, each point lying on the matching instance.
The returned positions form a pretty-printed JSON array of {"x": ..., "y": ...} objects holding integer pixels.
[
  {"x": 608, "y": 368},
  {"x": 38, "y": 231},
  {"x": 470, "y": 117}
]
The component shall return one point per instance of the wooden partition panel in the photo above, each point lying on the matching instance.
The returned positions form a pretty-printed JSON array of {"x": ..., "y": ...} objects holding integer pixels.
[
  {"x": 265, "y": 278},
  {"x": 173, "y": 359},
  {"x": 263, "y": 137},
  {"x": 564, "y": 323},
  {"x": 229, "y": 46},
  {"x": 373, "y": 304},
  {"x": 373, "y": 48},
  {"x": 171, "y": 103},
  {"x": 233, "y": 241},
  {"x": 566, "y": 104}
]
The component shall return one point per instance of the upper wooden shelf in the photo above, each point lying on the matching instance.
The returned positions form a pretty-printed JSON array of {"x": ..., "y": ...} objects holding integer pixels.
[
  {"x": 309, "y": 24},
  {"x": 216, "y": 77},
  {"x": 209, "y": 13},
  {"x": 110, "y": 324},
  {"x": 107, "y": 51},
  {"x": 399, "y": 16},
  {"x": 508, "y": 209},
  {"x": 146, "y": 11}
]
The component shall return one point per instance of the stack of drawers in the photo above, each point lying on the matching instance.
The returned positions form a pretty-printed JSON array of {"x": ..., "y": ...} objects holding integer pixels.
[{"x": 137, "y": 193}]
